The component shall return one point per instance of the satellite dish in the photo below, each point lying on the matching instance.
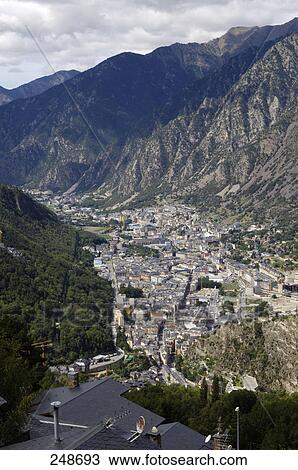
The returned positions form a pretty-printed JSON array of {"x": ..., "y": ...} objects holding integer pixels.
[
  {"x": 208, "y": 439},
  {"x": 140, "y": 424}
]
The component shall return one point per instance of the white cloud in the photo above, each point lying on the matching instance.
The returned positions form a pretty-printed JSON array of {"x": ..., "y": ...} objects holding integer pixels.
[
  {"x": 80, "y": 33},
  {"x": 15, "y": 70}
]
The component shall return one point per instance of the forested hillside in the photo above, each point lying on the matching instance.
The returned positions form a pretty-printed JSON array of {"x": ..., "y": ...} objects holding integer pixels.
[
  {"x": 48, "y": 292},
  {"x": 48, "y": 281}
]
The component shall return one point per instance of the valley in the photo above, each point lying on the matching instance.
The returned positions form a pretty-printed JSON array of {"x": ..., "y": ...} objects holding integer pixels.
[{"x": 148, "y": 245}]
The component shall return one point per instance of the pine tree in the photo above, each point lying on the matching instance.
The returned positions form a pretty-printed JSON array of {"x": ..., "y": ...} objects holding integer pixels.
[
  {"x": 204, "y": 392},
  {"x": 215, "y": 388}
]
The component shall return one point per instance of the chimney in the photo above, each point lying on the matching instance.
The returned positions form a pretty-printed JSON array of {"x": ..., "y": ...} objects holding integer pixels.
[
  {"x": 56, "y": 405},
  {"x": 155, "y": 436},
  {"x": 73, "y": 379}
]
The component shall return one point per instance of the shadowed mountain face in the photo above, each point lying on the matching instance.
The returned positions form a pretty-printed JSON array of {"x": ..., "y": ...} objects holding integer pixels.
[
  {"x": 216, "y": 119},
  {"x": 36, "y": 87}
]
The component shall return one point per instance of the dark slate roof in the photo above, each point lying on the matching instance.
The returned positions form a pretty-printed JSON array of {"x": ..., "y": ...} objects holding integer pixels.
[
  {"x": 112, "y": 439},
  {"x": 176, "y": 436},
  {"x": 97, "y": 438},
  {"x": 65, "y": 394},
  {"x": 90, "y": 405},
  {"x": 93, "y": 404},
  {"x": 47, "y": 442},
  {"x": 38, "y": 429}
]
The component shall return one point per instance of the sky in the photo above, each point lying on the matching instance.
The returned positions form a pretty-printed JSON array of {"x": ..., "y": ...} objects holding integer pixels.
[{"x": 78, "y": 34}]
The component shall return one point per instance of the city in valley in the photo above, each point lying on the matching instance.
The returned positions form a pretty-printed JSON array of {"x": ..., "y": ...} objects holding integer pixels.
[
  {"x": 179, "y": 277},
  {"x": 148, "y": 230}
]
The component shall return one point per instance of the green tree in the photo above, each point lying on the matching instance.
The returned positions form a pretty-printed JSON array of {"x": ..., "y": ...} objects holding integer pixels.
[
  {"x": 17, "y": 379},
  {"x": 228, "y": 306},
  {"x": 204, "y": 392},
  {"x": 215, "y": 388}
]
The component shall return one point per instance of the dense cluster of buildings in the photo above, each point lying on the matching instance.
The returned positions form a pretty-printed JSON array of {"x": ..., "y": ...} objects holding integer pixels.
[
  {"x": 176, "y": 276},
  {"x": 175, "y": 280}
]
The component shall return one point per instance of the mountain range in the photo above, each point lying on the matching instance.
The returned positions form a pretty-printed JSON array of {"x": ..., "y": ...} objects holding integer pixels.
[
  {"x": 36, "y": 87},
  {"x": 214, "y": 122}
]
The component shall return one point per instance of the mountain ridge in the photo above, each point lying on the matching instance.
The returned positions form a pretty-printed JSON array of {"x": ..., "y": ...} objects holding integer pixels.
[
  {"x": 35, "y": 87},
  {"x": 155, "y": 115},
  {"x": 21, "y": 205}
]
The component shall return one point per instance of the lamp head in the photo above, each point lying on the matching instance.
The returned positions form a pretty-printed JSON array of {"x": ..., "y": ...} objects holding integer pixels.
[{"x": 56, "y": 404}]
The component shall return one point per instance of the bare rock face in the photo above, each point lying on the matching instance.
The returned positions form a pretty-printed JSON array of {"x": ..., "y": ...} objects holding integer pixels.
[
  {"x": 267, "y": 351},
  {"x": 215, "y": 120},
  {"x": 245, "y": 139}
]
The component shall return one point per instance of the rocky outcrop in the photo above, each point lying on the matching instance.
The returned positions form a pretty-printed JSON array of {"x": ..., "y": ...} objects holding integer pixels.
[
  {"x": 244, "y": 140},
  {"x": 266, "y": 350}
]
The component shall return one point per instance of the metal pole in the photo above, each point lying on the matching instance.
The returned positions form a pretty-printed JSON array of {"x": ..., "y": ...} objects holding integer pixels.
[
  {"x": 238, "y": 427},
  {"x": 56, "y": 405}
]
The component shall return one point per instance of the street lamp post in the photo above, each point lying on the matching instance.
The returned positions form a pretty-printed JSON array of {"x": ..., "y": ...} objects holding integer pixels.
[{"x": 237, "y": 410}]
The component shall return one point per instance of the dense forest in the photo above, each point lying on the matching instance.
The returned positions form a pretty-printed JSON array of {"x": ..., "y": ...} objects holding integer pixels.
[
  {"x": 21, "y": 376},
  {"x": 267, "y": 420},
  {"x": 49, "y": 293},
  {"x": 48, "y": 280}
]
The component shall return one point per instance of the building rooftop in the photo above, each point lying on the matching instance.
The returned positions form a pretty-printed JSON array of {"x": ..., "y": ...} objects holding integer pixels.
[
  {"x": 93, "y": 403},
  {"x": 177, "y": 436},
  {"x": 95, "y": 415}
]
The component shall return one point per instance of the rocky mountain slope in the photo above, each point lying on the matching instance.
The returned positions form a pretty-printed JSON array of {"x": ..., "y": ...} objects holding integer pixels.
[
  {"x": 267, "y": 351},
  {"x": 243, "y": 142},
  {"x": 215, "y": 121},
  {"x": 36, "y": 87}
]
